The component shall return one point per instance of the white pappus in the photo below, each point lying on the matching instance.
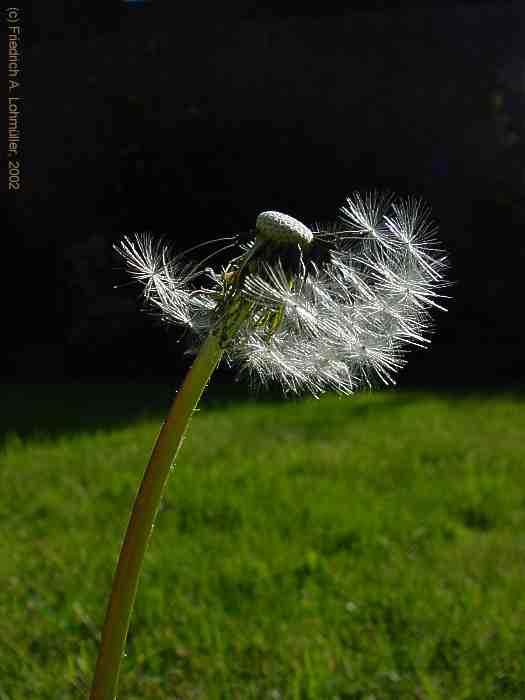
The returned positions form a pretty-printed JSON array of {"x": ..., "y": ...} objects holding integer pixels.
[{"x": 314, "y": 309}]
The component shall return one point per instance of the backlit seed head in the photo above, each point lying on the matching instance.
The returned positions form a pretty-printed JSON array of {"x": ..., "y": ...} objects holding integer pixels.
[
  {"x": 315, "y": 310},
  {"x": 281, "y": 228}
]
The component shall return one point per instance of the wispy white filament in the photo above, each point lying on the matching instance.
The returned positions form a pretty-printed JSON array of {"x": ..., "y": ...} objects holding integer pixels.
[{"x": 333, "y": 309}]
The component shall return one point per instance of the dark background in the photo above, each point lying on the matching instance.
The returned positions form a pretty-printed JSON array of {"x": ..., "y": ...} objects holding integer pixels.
[{"x": 187, "y": 122}]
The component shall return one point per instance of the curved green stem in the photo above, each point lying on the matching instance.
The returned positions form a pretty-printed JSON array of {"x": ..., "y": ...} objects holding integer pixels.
[{"x": 143, "y": 517}]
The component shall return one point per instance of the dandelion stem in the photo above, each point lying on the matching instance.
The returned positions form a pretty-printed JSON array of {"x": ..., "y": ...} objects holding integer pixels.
[{"x": 142, "y": 519}]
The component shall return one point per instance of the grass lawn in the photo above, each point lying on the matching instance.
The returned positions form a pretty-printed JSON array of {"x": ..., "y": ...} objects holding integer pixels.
[{"x": 368, "y": 548}]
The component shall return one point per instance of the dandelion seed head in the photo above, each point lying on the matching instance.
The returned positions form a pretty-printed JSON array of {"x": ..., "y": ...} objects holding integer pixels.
[{"x": 314, "y": 309}]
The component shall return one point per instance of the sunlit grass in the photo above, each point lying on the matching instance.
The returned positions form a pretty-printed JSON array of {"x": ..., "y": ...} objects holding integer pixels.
[{"x": 369, "y": 547}]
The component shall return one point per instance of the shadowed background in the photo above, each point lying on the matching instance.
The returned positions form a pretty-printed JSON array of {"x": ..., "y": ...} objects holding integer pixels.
[{"x": 141, "y": 117}]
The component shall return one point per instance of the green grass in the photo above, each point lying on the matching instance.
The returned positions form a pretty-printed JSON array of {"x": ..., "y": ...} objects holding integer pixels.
[{"x": 364, "y": 548}]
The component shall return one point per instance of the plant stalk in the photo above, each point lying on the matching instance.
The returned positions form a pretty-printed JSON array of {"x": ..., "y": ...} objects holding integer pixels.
[{"x": 142, "y": 519}]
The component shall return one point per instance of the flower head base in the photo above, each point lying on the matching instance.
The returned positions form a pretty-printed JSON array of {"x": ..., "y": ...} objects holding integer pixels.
[
  {"x": 281, "y": 228},
  {"x": 315, "y": 310}
]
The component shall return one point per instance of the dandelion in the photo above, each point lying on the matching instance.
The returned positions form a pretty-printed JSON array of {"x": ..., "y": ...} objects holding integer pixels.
[{"x": 314, "y": 309}]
